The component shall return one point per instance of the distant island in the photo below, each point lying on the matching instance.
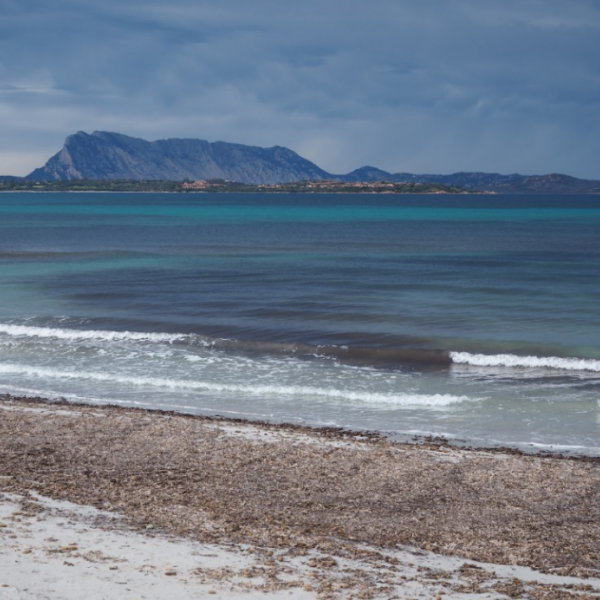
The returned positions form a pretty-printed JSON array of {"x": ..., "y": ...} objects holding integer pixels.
[
  {"x": 162, "y": 165},
  {"x": 222, "y": 186}
]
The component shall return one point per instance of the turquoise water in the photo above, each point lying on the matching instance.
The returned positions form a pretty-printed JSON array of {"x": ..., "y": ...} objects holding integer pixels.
[{"x": 474, "y": 317}]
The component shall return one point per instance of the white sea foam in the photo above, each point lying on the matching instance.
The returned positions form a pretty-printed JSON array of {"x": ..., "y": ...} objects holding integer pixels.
[
  {"x": 74, "y": 334},
  {"x": 512, "y": 360},
  {"x": 432, "y": 400}
]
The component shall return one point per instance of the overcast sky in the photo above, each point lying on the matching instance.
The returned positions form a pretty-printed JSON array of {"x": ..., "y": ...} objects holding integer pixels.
[{"x": 424, "y": 86}]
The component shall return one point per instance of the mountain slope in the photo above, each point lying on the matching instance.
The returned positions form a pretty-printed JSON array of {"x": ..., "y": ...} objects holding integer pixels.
[{"x": 104, "y": 155}]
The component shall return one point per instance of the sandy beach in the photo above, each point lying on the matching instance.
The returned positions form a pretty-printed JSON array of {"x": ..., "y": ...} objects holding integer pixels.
[{"x": 111, "y": 502}]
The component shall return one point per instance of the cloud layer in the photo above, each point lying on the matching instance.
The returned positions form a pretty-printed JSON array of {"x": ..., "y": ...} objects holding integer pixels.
[{"x": 411, "y": 85}]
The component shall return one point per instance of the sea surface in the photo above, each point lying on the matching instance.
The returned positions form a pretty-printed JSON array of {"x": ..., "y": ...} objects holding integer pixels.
[{"x": 471, "y": 317}]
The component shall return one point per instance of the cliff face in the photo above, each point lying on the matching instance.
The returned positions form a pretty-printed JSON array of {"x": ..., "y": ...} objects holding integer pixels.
[{"x": 103, "y": 155}]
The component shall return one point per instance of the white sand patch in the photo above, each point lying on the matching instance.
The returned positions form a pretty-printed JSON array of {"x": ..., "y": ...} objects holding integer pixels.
[
  {"x": 35, "y": 409},
  {"x": 260, "y": 434},
  {"x": 67, "y": 552}
]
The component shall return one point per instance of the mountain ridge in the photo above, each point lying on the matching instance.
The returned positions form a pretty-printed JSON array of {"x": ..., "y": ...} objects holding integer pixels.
[{"x": 108, "y": 155}]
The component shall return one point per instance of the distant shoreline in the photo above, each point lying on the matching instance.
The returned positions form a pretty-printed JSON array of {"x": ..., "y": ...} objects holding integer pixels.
[
  {"x": 316, "y": 187},
  {"x": 198, "y": 192}
]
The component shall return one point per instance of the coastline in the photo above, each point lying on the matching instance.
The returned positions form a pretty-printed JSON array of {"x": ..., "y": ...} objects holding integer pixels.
[
  {"x": 320, "y": 513},
  {"x": 186, "y": 192},
  {"x": 429, "y": 442}
]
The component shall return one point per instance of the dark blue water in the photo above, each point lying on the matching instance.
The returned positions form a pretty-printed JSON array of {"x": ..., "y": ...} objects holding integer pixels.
[{"x": 476, "y": 317}]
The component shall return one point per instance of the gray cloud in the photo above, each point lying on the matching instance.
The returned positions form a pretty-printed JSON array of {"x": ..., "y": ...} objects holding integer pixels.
[{"x": 417, "y": 85}]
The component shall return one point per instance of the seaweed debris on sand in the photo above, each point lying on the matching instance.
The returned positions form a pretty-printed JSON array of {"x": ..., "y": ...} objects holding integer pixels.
[{"x": 225, "y": 507}]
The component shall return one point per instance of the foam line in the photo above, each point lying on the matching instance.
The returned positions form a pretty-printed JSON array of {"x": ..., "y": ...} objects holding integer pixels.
[{"x": 433, "y": 400}]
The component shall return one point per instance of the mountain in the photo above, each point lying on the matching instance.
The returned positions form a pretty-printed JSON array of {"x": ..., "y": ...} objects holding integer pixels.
[
  {"x": 4, "y": 178},
  {"x": 104, "y": 155}
]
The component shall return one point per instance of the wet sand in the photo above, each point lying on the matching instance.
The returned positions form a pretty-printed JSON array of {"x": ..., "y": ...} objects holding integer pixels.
[{"x": 318, "y": 513}]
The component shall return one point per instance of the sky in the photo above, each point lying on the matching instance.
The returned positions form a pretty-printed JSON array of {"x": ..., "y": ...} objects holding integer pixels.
[{"x": 421, "y": 86}]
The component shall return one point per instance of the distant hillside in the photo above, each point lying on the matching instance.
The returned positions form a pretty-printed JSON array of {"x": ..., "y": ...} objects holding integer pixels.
[
  {"x": 113, "y": 156},
  {"x": 508, "y": 184},
  {"x": 4, "y": 178},
  {"x": 365, "y": 174}
]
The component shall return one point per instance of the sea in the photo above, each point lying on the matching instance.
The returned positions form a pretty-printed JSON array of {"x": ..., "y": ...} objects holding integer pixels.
[{"x": 471, "y": 317}]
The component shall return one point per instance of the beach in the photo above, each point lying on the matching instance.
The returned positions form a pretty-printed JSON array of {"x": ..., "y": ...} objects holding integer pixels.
[
  {"x": 299, "y": 301},
  {"x": 134, "y": 503}
]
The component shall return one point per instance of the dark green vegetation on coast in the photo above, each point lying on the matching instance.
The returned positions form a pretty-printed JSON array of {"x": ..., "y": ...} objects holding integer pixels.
[
  {"x": 85, "y": 185},
  {"x": 219, "y": 185}
]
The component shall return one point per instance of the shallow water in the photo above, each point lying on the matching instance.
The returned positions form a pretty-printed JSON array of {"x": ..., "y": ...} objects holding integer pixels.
[{"x": 473, "y": 317}]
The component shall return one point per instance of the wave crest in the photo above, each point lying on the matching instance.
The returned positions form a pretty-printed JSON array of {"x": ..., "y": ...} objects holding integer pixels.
[
  {"x": 92, "y": 334},
  {"x": 512, "y": 360}
]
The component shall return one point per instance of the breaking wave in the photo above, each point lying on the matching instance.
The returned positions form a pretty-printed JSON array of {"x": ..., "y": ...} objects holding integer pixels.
[
  {"x": 92, "y": 334},
  {"x": 374, "y": 356},
  {"x": 536, "y": 362},
  {"x": 354, "y": 354}
]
